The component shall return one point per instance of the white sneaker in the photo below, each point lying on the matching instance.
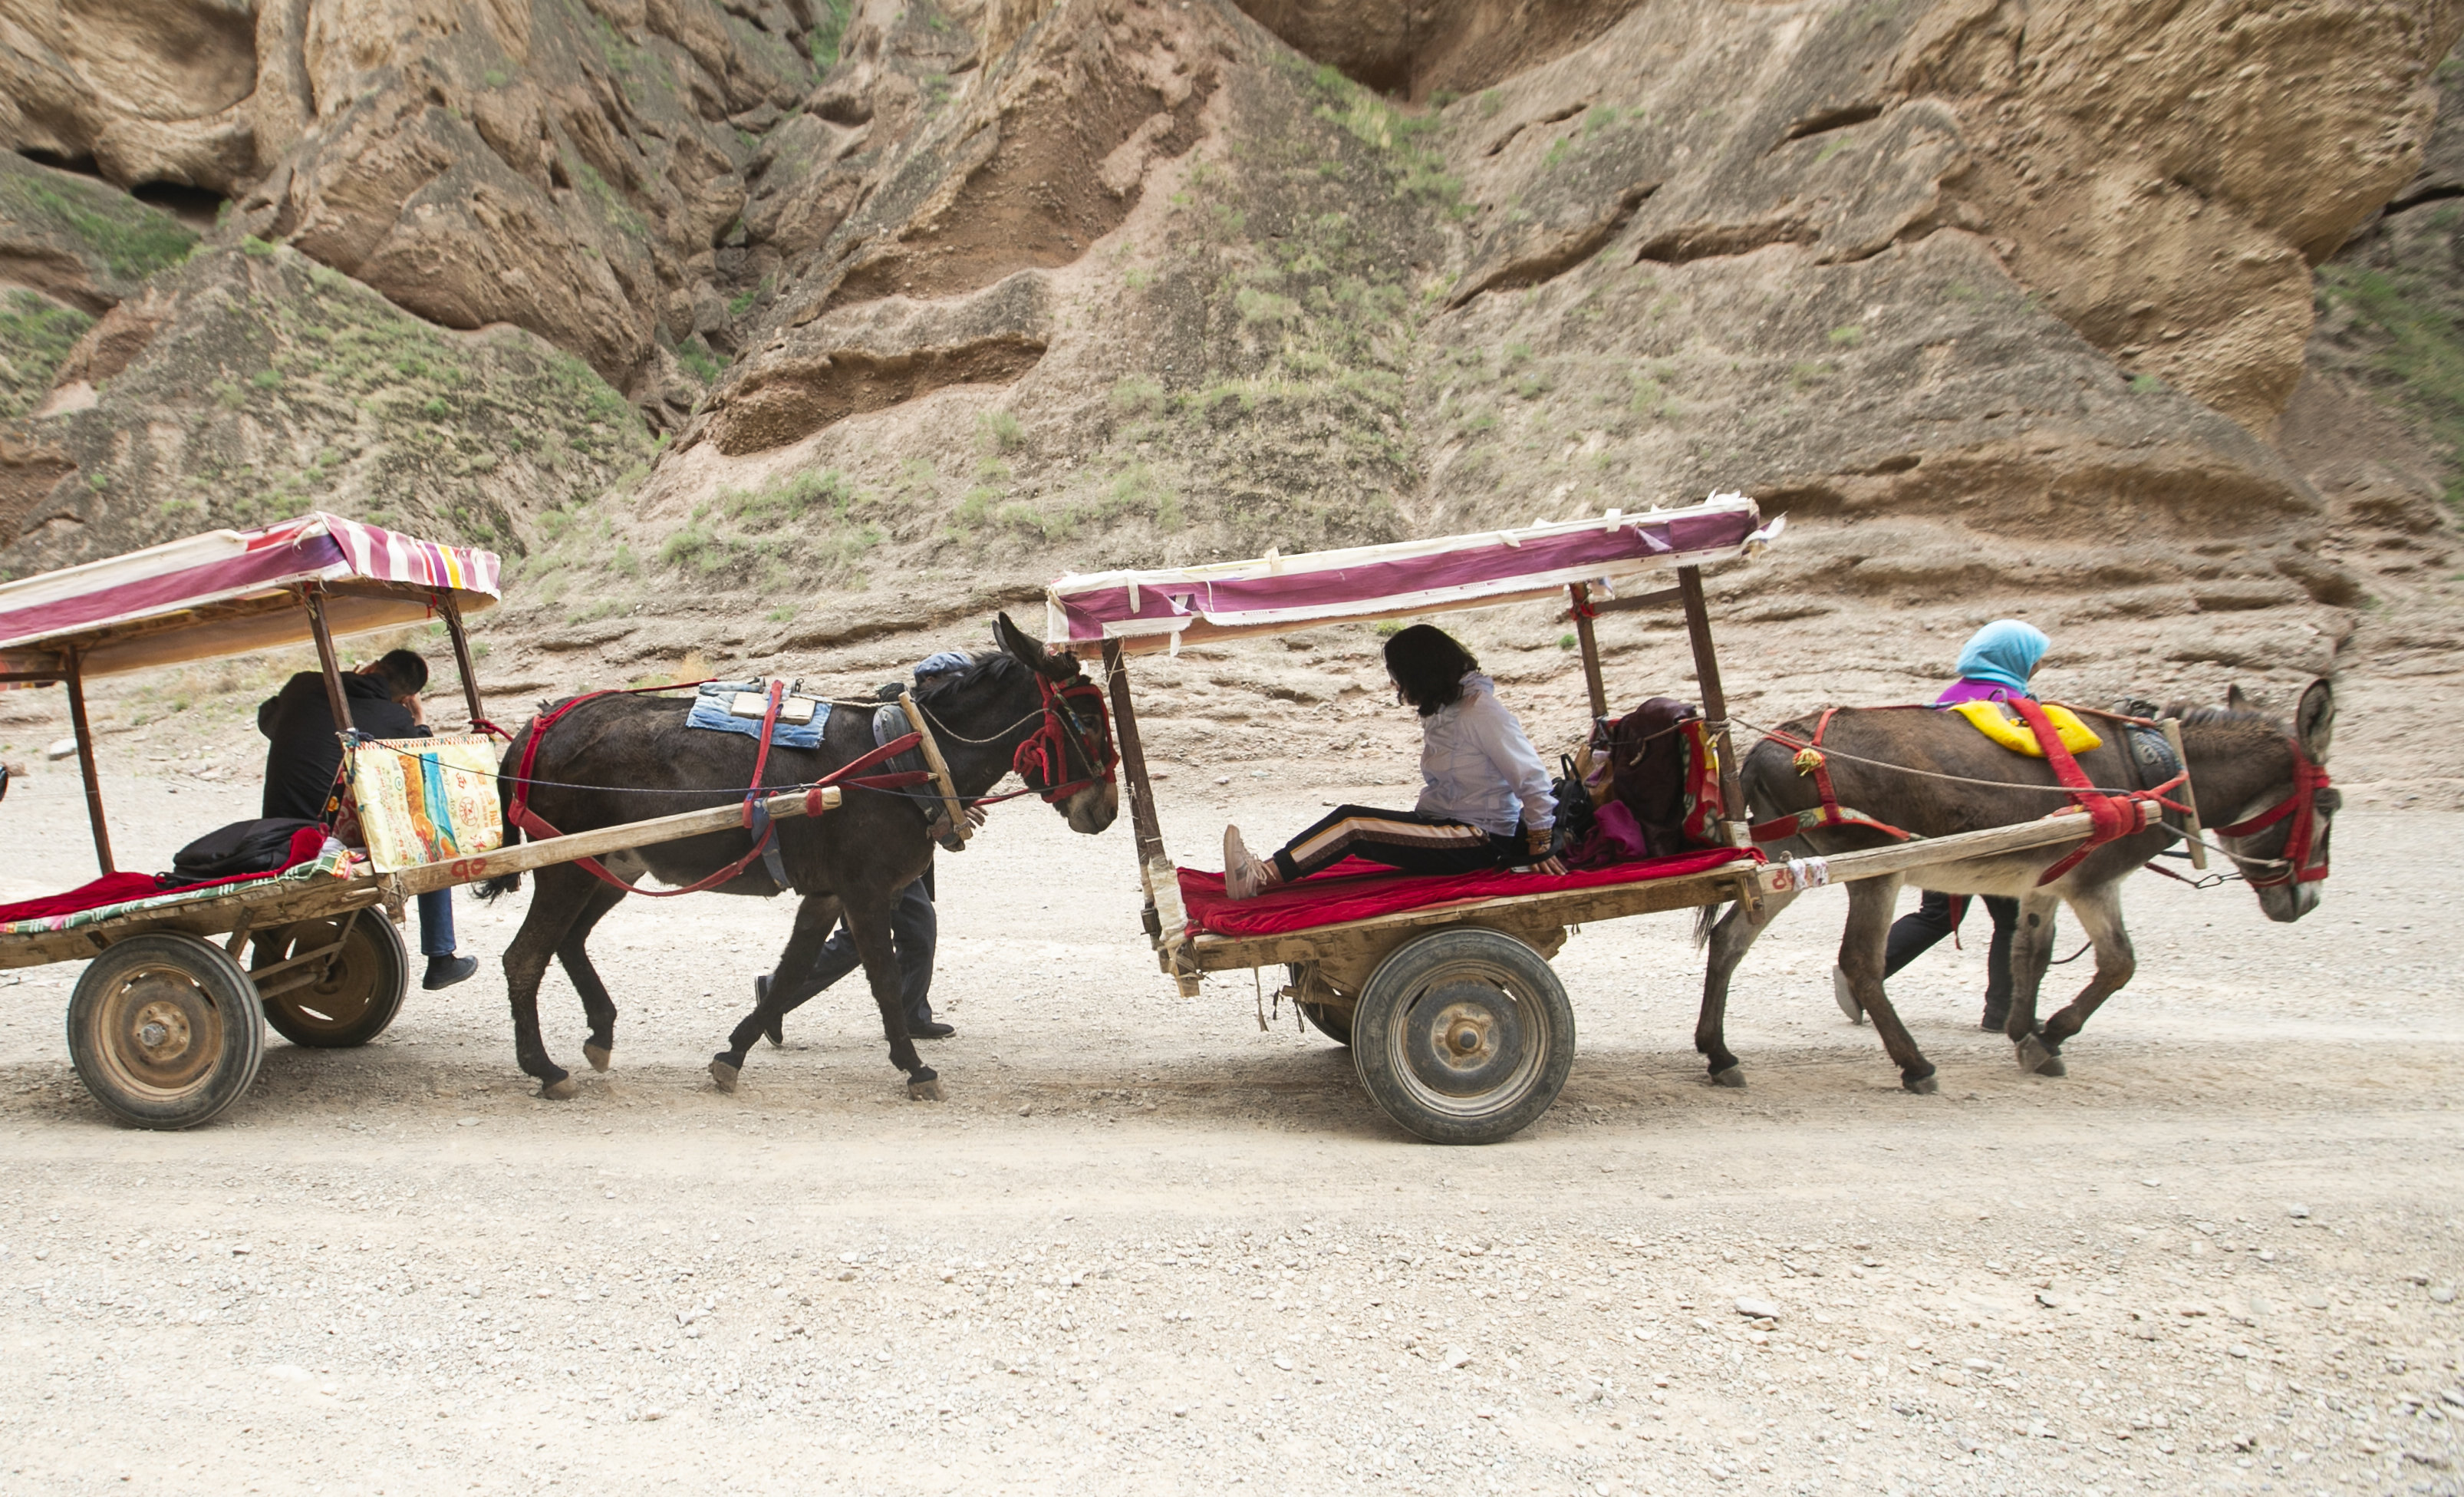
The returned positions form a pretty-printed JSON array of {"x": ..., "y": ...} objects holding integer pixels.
[
  {"x": 1243, "y": 876},
  {"x": 1846, "y": 997}
]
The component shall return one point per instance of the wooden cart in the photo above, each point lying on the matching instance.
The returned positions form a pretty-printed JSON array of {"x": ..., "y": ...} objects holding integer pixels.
[
  {"x": 1458, "y": 1027},
  {"x": 167, "y": 1026}
]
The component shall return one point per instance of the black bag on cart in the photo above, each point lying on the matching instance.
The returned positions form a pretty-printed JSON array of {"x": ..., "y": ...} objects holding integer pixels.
[{"x": 257, "y": 847}]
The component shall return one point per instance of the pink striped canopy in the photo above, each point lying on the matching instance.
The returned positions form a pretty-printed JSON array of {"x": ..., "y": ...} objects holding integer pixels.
[
  {"x": 1271, "y": 595},
  {"x": 232, "y": 593}
]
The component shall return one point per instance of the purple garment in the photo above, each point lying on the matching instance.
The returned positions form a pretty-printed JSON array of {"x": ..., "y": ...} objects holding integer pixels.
[{"x": 1967, "y": 690}]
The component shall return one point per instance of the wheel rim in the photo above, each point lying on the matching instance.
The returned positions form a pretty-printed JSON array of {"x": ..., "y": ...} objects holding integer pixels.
[
  {"x": 347, "y": 991},
  {"x": 162, "y": 1034},
  {"x": 1471, "y": 1043}
]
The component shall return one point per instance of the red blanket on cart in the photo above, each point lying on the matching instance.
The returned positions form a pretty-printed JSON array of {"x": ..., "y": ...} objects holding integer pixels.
[
  {"x": 118, "y": 888},
  {"x": 1355, "y": 890}
]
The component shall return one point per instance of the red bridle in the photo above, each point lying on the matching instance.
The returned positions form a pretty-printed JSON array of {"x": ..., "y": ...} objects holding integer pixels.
[
  {"x": 1046, "y": 754},
  {"x": 2303, "y": 805}
]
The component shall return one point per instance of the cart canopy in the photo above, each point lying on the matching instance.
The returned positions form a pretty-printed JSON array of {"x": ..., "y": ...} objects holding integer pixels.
[
  {"x": 1147, "y": 612},
  {"x": 231, "y": 592}
]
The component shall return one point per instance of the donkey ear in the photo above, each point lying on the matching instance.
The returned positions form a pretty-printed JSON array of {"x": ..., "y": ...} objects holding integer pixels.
[
  {"x": 1026, "y": 650},
  {"x": 2314, "y": 722},
  {"x": 2235, "y": 699}
]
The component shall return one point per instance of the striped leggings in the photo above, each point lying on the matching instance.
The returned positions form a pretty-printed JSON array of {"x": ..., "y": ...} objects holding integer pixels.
[{"x": 1404, "y": 840}]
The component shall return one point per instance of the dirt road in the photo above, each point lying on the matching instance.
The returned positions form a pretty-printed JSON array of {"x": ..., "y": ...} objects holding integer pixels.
[{"x": 1146, "y": 1247}]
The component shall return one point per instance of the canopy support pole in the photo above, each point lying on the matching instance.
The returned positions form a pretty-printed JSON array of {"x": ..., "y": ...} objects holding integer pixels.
[
  {"x": 1581, "y": 593},
  {"x": 1146, "y": 827},
  {"x": 451, "y": 608},
  {"x": 86, "y": 764},
  {"x": 327, "y": 659},
  {"x": 1715, "y": 703}
]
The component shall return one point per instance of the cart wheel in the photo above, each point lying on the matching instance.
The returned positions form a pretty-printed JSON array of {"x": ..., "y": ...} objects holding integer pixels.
[
  {"x": 361, "y": 991},
  {"x": 1464, "y": 1036},
  {"x": 1333, "y": 1022},
  {"x": 164, "y": 1031}
]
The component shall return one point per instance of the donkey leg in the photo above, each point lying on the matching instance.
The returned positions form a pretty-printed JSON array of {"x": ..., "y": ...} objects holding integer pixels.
[
  {"x": 867, "y": 921},
  {"x": 2032, "y": 955},
  {"x": 1730, "y": 939},
  {"x": 1862, "y": 946},
  {"x": 2099, "y": 915},
  {"x": 556, "y": 901},
  {"x": 573, "y": 953},
  {"x": 814, "y": 919}
]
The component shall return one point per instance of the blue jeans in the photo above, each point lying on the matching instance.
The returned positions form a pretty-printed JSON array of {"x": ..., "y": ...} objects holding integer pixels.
[
  {"x": 915, "y": 929},
  {"x": 436, "y": 923}
]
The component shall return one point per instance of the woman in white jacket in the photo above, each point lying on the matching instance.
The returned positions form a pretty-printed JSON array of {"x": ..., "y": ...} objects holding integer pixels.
[{"x": 1486, "y": 798}]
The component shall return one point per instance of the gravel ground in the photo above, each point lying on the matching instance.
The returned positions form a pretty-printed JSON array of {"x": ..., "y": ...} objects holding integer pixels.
[{"x": 1146, "y": 1247}]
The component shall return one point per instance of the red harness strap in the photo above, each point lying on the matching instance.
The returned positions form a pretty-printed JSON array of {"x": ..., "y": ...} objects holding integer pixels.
[
  {"x": 1810, "y": 760},
  {"x": 537, "y": 826},
  {"x": 2110, "y": 817},
  {"x": 2303, "y": 805}
]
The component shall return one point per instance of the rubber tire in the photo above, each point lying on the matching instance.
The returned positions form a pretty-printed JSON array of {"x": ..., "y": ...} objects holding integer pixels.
[
  {"x": 1328, "y": 1020},
  {"x": 1542, "y": 1029},
  {"x": 1325, "y": 1019},
  {"x": 102, "y": 1034},
  {"x": 366, "y": 988}
]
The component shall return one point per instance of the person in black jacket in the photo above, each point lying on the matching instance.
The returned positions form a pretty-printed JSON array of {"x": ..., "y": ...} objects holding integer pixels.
[{"x": 304, "y": 758}]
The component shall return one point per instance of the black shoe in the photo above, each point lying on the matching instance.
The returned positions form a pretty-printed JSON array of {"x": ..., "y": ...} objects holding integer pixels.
[
  {"x": 1996, "y": 1020},
  {"x": 775, "y": 1032},
  {"x": 930, "y": 1029},
  {"x": 443, "y": 971}
]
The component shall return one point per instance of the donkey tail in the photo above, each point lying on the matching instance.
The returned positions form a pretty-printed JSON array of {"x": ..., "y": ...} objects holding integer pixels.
[{"x": 1704, "y": 917}]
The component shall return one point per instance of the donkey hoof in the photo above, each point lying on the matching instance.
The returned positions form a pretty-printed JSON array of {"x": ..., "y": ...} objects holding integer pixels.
[
  {"x": 1924, "y": 1086},
  {"x": 724, "y": 1074},
  {"x": 1846, "y": 997},
  {"x": 600, "y": 1056},
  {"x": 925, "y": 1086},
  {"x": 1733, "y": 1077},
  {"x": 2037, "y": 1058},
  {"x": 564, "y": 1088}
]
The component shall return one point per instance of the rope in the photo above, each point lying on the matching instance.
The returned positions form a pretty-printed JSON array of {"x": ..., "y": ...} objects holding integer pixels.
[
  {"x": 1930, "y": 774},
  {"x": 2005, "y": 784}
]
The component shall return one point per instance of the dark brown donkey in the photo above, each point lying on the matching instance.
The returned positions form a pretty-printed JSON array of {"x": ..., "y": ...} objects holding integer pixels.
[
  {"x": 853, "y": 860},
  {"x": 2243, "y": 765}
]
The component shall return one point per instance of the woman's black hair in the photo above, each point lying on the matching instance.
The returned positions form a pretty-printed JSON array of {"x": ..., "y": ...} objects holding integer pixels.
[{"x": 1428, "y": 666}]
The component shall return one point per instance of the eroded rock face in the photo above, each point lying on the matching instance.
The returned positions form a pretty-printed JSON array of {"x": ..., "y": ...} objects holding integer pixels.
[
  {"x": 993, "y": 286},
  {"x": 246, "y": 387}
]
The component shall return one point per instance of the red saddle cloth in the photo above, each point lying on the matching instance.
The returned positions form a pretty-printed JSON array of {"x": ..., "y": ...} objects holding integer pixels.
[
  {"x": 1355, "y": 889},
  {"x": 120, "y": 888}
]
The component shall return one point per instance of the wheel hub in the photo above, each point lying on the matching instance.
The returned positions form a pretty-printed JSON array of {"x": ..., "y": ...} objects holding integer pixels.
[
  {"x": 166, "y": 1033},
  {"x": 1463, "y": 1037},
  {"x": 162, "y": 1032}
]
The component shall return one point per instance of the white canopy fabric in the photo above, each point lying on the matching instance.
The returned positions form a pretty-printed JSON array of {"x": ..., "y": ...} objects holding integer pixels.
[
  {"x": 1154, "y": 610},
  {"x": 232, "y": 593}
]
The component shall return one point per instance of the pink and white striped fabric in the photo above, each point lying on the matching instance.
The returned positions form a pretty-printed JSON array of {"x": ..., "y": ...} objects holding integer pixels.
[
  {"x": 1155, "y": 610},
  {"x": 232, "y": 587}
]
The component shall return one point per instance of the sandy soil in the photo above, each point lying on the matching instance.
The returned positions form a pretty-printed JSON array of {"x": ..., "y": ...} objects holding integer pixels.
[{"x": 1145, "y": 1247}]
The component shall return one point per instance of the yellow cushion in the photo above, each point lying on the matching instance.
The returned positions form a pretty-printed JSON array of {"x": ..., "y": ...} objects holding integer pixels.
[{"x": 1987, "y": 718}]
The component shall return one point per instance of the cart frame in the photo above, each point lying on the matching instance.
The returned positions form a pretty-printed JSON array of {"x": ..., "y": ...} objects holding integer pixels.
[
  {"x": 165, "y": 1027},
  {"x": 1433, "y": 999}
]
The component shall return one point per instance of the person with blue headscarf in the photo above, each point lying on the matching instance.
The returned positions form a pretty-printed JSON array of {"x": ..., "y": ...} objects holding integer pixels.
[{"x": 1995, "y": 666}]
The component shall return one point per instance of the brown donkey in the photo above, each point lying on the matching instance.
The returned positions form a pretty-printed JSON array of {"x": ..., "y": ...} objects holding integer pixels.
[{"x": 2260, "y": 788}]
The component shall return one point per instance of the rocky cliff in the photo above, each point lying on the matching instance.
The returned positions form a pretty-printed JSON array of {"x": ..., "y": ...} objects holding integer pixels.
[{"x": 847, "y": 316}]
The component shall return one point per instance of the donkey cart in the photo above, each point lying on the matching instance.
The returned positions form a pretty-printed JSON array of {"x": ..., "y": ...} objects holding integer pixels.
[
  {"x": 1441, "y": 987},
  {"x": 166, "y": 1026}
]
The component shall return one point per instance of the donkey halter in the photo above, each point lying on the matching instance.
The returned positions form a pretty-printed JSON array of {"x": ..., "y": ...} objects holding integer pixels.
[
  {"x": 2300, "y": 839},
  {"x": 1046, "y": 754}
]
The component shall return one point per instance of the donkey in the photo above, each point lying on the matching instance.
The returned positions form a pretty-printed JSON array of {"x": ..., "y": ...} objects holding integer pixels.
[
  {"x": 852, "y": 861},
  {"x": 2247, "y": 772}
]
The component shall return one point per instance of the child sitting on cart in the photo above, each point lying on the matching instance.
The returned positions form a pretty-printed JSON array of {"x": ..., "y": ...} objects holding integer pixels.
[{"x": 1486, "y": 798}]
